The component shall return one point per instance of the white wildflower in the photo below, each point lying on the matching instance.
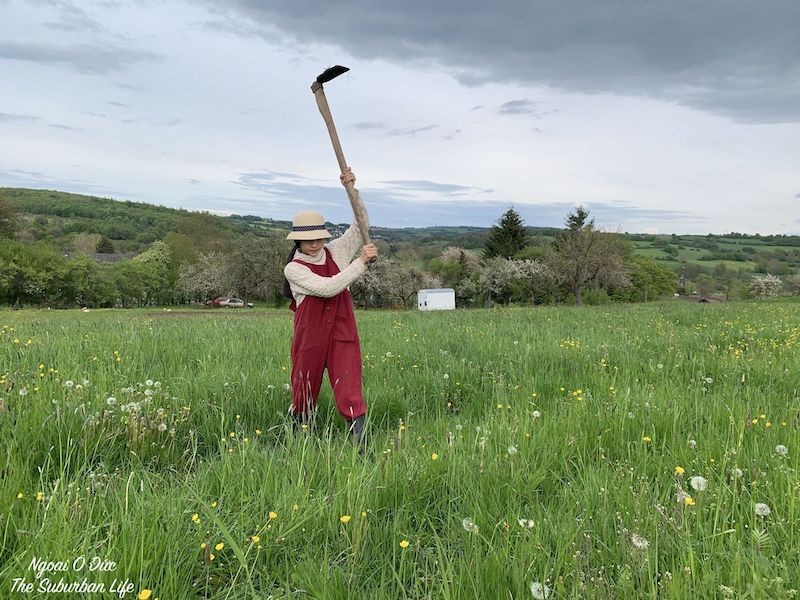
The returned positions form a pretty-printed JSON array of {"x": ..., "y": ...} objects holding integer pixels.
[
  {"x": 539, "y": 590},
  {"x": 111, "y": 401},
  {"x": 639, "y": 542},
  {"x": 762, "y": 510},
  {"x": 23, "y": 391},
  {"x": 157, "y": 384},
  {"x": 536, "y": 414},
  {"x": 692, "y": 444},
  {"x": 148, "y": 393},
  {"x": 446, "y": 376},
  {"x": 270, "y": 387},
  {"x": 698, "y": 483},
  {"x": 525, "y": 523},
  {"x": 781, "y": 450},
  {"x": 660, "y": 366},
  {"x": 737, "y": 472},
  {"x": 162, "y": 427},
  {"x": 512, "y": 450},
  {"x": 286, "y": 387},
  {"x": 469, "y": 525},
  {"x": 149, "y": 383},
  {"x": 681, "y": 496},
  {"x": 69, "y": 384},
  {"x": 631, "y": 415},
  {"x": 459, "y": 427}
]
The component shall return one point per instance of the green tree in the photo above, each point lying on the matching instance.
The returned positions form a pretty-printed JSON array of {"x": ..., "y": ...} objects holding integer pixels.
[
  {"x": 255, "y": 267},
  {"x": 649, "y": 280},
  {"x": 507, "y": 237},
  {"x": 8, "y": 218},
  {"x": 582, "y": 255},
  {"x": 104, "y": 246}
]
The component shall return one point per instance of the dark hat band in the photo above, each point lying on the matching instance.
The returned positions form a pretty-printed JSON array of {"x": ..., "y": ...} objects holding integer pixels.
[{"x": 308, "y": 227}]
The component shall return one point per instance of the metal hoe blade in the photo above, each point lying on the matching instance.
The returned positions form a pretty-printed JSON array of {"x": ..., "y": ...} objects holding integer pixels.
[{"x": 329, "y": 74}]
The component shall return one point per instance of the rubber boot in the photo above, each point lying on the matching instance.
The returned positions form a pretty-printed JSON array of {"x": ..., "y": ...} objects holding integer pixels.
[{"x": 358, "y": 433}]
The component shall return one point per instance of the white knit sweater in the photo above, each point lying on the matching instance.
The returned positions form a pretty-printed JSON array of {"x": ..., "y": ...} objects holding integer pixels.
[{"x": 304, "y": 282}]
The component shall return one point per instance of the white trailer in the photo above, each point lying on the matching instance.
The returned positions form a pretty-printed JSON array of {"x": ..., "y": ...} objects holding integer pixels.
[{"x": 436, "y": 299}]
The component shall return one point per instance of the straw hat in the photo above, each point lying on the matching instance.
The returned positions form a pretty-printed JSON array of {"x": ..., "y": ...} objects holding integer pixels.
[{"x": 308, "y": 225}]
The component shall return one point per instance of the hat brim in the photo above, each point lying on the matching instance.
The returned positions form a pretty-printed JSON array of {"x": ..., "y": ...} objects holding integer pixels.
[{"x": 305, "y": 236}]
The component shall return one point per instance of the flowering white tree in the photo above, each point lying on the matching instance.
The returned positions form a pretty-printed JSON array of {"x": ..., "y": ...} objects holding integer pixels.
[{"x": 765, "y": 286}]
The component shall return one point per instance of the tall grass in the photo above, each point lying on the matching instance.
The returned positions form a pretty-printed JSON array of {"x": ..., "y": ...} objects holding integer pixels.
[{"x": 509, "y": 447}]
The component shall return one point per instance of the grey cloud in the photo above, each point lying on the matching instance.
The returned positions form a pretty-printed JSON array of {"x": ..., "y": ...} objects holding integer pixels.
[
  {"x": 797, "y": 195},
  {"x": 37, "y": 180},
  {"x": 410, "y": 131},
  {"x": 367, "y": 125},
  {"x": 118, "y": 104},
  {"x": 10, "y": 117},
  {"x": 73, "y": 19},
  {"x": 66, "y": 127},
  {"x": 86, "y": 58},
  {"x": 397, "y": 131},
  {"x": 422, "y": 185},
  {"x": 737, "y": 59},
  {"x": 517, "y": 107}
]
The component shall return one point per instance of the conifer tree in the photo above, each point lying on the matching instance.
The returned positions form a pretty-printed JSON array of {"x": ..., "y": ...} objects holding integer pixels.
[{"x": 507, "y": 237}]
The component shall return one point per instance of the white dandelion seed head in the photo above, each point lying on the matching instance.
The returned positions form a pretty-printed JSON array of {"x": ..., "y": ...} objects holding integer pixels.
[
  {"x": 698, "y": 483},
  {"x": 762, "y": 510},
  {"x": 69, "y": 384},
  {"x": 149, "y": 383},
  {"x": 286, "y": 387},
  {"x": 270, "y": 387},
  {"x": 86, "y": 382},
  {"x": 692, "y": 444},
  {"x": 631, "y": 415},
  {"x": 446, "y": 376},
  {"x": 162, "y": 427},
  {"x": 660, "y": 366},
  {"x": 536, "y": 414},
  {"x": 539, "y": 591},
  {"x": 469, "y": 525},
  {"x": 482, "y": 442},
  {"x": 148, "y": 393},
  {"x": 639, "y": 542},
  {"x": 23, "y": 392},
  {"x": 111, "y": 401},
  {"x": 157, "y": 384},
  {"x": 525, "y": 523},
  {"x": 709, "y": 380},
  {"x": 681, "y": 496},
  {"x": 781, "y": 450},
  {"x": 737, "y": 472},
  {"x": 78, "y": 386},
  {"x": 512, "y": 450},
  {"x": 389, "y": 355},
  {"x": 459, "y": 427}
]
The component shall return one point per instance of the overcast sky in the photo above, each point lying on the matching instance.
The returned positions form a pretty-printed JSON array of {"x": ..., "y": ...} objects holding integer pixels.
[{"x": 670, "y": 117}]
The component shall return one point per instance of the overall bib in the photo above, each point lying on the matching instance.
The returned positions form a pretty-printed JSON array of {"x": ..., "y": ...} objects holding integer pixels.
[{"x": 325, "y": 335}]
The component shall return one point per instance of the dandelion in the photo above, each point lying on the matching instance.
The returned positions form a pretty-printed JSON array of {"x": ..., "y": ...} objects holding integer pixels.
[
  {"x": 639, "y": 542},
  {"x": 459, "y": 427},
  {"x": 647, "y": 439},
  {"x": 512, "y": 450},
  {"x": 39, "y": 496},
  {"x": 149, "y": 383},
  {"x": 737, "y": 472},
  {"x": 446, "y": 376},
  {"x": 469, "y": 525},
  {"x": 111, "y": 401},
  {"x": 286, "y": 387},
  {"x": 20, "y": 496},
  {"x": 698, "y": 483},
  {"x": 345, "y": 519},
  {"x": 688, "y": 500},
  {"x": 762, "y": 510},
  {"x": 272, "y": 515},
  {"x": 23, "y": 392},
  {"x": 434, "y": 456},
  {"x": 692, "y": 444},
  {"x": 196, "y": 519},
  {"x": 781, "y": 450},
  {"x": 162, "y": 427},
  {"x": 255, "y": 539},
  {"x": 219, "y": 546},
  {"x": 536, "y": 414},
  {"x": 525, "y": 523},
  {"x": 295, "y": 507},
  {"x": 679, "y": 470},
  {"x": 404, "y": 544},
  {"x": 145, "y": 594},
  {"x": 539, "y": 590}
]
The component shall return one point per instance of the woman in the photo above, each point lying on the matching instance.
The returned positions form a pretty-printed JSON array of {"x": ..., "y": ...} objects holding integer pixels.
[{"x": 317, "y": 277}]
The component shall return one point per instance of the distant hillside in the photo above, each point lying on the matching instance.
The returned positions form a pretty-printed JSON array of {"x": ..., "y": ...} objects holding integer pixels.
[{"x": 61, "y": 219}]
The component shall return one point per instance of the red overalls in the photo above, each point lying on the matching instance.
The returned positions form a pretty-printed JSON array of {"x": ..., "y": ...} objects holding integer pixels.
[{"x": 325, "y": 335}]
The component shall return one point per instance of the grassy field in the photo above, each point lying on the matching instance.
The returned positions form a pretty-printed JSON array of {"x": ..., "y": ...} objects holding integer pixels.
[{"x": 611, "y": 452}]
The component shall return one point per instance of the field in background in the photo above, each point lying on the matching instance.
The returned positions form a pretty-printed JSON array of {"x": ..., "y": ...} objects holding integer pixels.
[{"x": 608, "y": 452}]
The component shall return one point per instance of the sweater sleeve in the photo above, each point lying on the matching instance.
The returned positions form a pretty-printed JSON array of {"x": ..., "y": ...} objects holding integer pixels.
[
  {"x": 304, "y": 281},
  {"x": 346, "y": 246}
]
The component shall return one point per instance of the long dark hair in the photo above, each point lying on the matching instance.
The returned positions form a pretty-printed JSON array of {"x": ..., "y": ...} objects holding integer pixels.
[{"x": 287, "y": 290}]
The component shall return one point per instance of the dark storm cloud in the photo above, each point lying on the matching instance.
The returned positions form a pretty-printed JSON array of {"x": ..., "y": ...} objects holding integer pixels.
[
  {"x": 737, "y": 59},
  {"x": 86, "y": 58}
]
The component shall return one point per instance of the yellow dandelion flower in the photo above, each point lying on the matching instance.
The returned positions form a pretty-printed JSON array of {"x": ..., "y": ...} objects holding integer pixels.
[
  {"x": 345, "y": 519},
  {"x": 754, "y": 421},
  {"x": 219, "y": 546},
  {"x": 767, "y": 424},
  {"x": 203, "y": 546},
  {"x": 762, "y": 416},
  {"x": 255, "y": 539},
  {"x": 196, "y": 519},
  {"x": 145, "y": 594},
  {"x": 434, "y": 456},
  {"x": 211, "y": 556},
  {"x": 688, "y": 500},
  {"x": 273, "y": 515},
  {"x": 679, "y": 470},
  {"x": 647, "y": 439},
  {"x": 404, "y": 544},
  {"x": 500, "y": 407},
  {"x": 20, "y": 496},
  {"x": 213, "y": 505},
  {"x": 40, "y": 496},
  {"x": 295, "y": 507},
  {"x": 258, "y": 432}
]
